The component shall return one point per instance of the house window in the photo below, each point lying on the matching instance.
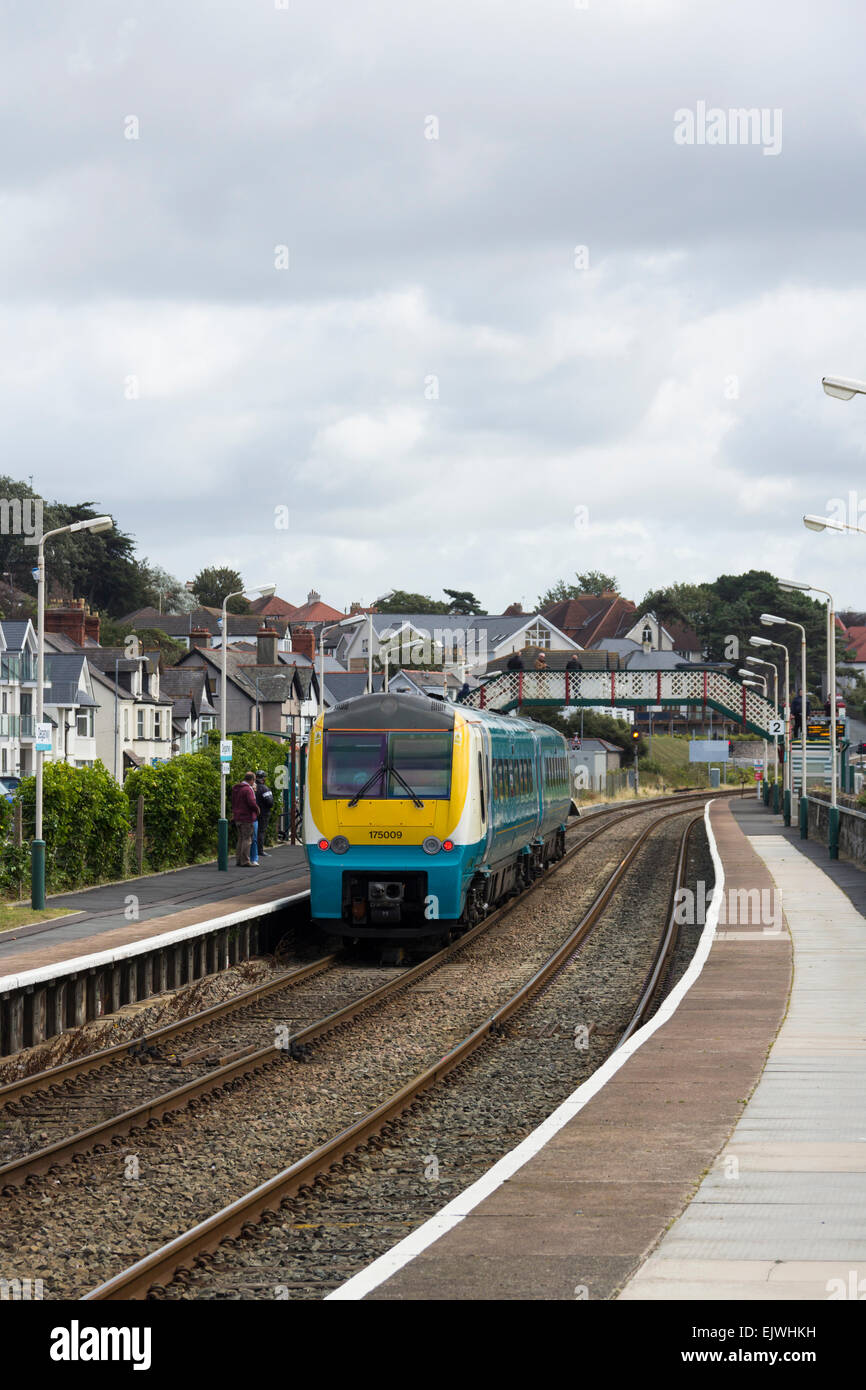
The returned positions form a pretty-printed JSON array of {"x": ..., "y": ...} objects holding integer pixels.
[
  {"x": 157, "y": 723},
  {"x": 126, "y": 724},
  {"x": 3, "y": 762},
  {"x": 5, "y": 703},
  {"x": 538, "y": 636},
  {"x": 139, "y": 724},
  {"x": 84, "y": 723},
  {"x": 647, "y": 634}
]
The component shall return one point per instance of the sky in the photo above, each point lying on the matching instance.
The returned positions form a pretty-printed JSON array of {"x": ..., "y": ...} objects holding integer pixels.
[{"x": 386, "y": 294}]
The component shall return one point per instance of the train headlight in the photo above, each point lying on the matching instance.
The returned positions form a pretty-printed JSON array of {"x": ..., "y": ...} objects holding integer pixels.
[
  {"x": 431, "y": 845},
  {"x": 339, "y": 844},
  {"x": 447, "y": 845},
  {"x": 323, "y": 844}
]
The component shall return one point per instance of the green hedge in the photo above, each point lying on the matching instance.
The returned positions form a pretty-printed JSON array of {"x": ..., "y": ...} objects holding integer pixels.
[
  {"x": 85, "y": 825},
  {"x": 89, "y": 820}
]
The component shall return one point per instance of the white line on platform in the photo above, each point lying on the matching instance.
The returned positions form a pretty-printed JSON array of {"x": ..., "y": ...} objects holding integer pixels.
[{"x": 456, "y": 1210}]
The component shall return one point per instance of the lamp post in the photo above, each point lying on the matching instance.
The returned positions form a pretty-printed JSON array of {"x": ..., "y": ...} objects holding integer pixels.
[
  {"x": 758, "y": 661},
  {"x": 794, "y": 584},
  {"x": 770, "y": 620},
  {"x": 37, "y": 850},
  {"x": 786, "y": 773},
  {"x": 262, "y": 591},
  {"x": 751, "y": 677}
]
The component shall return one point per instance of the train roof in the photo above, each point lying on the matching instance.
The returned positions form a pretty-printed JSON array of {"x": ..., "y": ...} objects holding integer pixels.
[{"x": 386, "y": 711}]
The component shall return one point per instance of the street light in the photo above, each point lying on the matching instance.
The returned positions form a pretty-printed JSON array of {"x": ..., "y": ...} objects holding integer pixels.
[
  {"x": 37, "y": 850},
  {"x": 843, "y": 387},
  {"x": 259, "y": 591},
  {"x": 753, "y": 678},
  {"x": 786, "y": 772},
  {"x": 770, "y": 620},
  {"x": 790, "y": 586},
  {"x": 758, "y": 661}
]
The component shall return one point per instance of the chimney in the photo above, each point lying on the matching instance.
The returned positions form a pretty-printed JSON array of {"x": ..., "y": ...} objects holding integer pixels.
[
  {"x": 73, "y": 619},
  {"x": 266, "y": 647},
  {"x": 199, "y": 637},
  {"x": 304, "y": 642},
  {"x": 313, "y": 597}
]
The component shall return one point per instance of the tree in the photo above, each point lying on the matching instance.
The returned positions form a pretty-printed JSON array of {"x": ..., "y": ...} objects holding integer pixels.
[
  {"x": 114, "y": 634},
  {"x": 462, "y": 602},
  {"x": 727, "y": 612},
  {"x": 592, "y": 583},
  {"x": 402, "y": 602},
  {"x": 164, "y": 592},
  {"x": 211, "y": 585}
]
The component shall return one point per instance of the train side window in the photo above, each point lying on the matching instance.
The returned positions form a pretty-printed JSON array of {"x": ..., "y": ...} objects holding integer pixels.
[{"x": 481, "y": 786}]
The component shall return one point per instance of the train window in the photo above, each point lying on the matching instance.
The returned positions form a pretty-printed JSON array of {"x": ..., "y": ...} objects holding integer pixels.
[
  {"x": 424, "y": 763},
  {"x": 356, "y": 762},
  {"x": 481, "y": 784},
  {"x": 351, "y": 759}
]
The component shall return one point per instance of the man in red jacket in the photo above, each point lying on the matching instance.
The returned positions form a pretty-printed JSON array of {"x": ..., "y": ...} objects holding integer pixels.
[{"x": 245, "y": 813}]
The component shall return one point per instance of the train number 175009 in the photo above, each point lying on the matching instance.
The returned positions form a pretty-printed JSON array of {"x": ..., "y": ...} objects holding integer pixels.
[{"x": 386, "y": 834}]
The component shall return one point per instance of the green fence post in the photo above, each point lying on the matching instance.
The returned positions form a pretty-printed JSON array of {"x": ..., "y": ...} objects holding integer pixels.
[
  {"x": 787, "y": 812},
  {"x": 804, "y": 817},
  {"x": 222, "y": 844},
  {"x": 775, "y": 798},
  {"x": 833, "y": 834}
]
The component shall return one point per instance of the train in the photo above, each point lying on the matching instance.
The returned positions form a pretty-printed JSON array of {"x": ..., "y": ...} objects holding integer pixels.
[{"x": 421, "y": 815}]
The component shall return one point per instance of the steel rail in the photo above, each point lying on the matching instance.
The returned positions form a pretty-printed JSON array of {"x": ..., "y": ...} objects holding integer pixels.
[
  {"x": 667, "y": 942},
  {"x": 240, "y": 1216}
]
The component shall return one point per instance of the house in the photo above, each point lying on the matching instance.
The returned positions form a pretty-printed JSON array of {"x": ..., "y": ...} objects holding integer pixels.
[
  {"x": 438, "y": 685},
  {"x": 133, "y": 718},
  {"x": 17, "y": 697},
  {"x": 266, "y": 688},
  {"x": 70, "y": 705},
  {"x": 314, "y": 611},
  {"x": 463, "y": 642},
  {"x": 602, "y": 621},
  {"x": 204, "y": 624},
  {"x": 193, "y": 712}
]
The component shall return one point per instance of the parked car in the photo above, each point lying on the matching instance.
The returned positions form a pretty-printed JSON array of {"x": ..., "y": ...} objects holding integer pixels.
[{"x": 9, "y": 786}]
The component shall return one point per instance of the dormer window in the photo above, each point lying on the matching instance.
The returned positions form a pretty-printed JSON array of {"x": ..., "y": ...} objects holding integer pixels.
[{"x": 647, "y": 634}]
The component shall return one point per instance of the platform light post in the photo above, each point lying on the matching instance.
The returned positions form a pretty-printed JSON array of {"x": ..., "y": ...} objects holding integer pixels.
[
  {"x": 759, "y": 661},
  {"x": 770, "y": 620},
  {"x": 37, "y": 849},
  {"x": 260, "y": 591},
  {"x": 786, "y": 773},
  {"x": 789, "y": 586},
  {"x": 751, "y": 677}
]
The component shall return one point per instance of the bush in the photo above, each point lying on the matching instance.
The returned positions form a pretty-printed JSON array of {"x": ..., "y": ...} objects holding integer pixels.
[
  {"x": 181, "y": 806},
  {"x": 85, "y": 822}
]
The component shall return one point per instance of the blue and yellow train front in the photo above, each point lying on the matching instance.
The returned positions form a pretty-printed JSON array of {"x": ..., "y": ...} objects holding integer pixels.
[{"x": 385, "y": 818}]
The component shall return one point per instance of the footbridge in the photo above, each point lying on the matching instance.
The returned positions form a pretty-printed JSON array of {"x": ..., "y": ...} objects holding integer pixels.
[{"x": 629, "y": 689}]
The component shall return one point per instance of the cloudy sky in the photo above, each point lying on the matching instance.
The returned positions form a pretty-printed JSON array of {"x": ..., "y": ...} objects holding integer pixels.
[{"x": 446, "y": 281}]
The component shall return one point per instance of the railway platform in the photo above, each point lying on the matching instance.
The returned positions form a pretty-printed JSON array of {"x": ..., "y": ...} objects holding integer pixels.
[
  {"x": 720, "y": 1153},
  {"x": 160, "y": 903}
]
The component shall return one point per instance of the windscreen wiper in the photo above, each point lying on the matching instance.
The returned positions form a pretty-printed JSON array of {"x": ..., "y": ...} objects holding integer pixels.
[
  {"x": 405, "y": 784},
  {"x": 369, "y": 782}
]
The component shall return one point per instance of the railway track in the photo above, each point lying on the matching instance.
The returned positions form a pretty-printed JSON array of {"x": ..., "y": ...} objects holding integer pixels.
[
  {"x": 183, "y": 1062},
  {"x": 263, "y": 1203}
]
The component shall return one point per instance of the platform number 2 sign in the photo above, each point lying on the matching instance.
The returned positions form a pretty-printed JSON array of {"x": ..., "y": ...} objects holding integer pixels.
[{"x": 777, "y": 728}]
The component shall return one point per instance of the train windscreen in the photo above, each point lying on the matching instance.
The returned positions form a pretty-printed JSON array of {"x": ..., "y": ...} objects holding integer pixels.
[{"x": 387, "y": 765}]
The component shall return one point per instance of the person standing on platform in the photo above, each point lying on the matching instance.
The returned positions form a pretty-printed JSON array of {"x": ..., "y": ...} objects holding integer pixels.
[
  {"x": 245, "y": 812},
  {"x": 515, "y": 662},
  {"x": 265, "y": 800}
]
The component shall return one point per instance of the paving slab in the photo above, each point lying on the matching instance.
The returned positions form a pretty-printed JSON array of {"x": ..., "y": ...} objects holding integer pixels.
[{"x": 790, "y": 1185}]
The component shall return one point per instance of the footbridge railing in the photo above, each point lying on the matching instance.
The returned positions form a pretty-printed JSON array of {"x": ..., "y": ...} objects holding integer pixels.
[{"x": 629, "y": 689}]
